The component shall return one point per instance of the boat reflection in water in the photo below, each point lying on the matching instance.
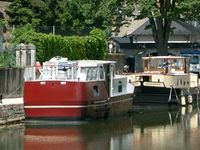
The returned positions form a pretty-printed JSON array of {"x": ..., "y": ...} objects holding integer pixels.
[
  {"x": 88, "y": 136},
  {"x": 167, "y": 130},
  {"x": 53, "y": 138},
  {"x": 148, "y": 128}
]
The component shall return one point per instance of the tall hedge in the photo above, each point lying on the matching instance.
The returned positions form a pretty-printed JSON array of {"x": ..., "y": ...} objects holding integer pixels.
[{"x": 93, "y": 46}]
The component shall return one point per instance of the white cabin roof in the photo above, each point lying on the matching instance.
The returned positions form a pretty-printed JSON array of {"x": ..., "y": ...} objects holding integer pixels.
[
  {"x": 164, "y": 57},
  {"x": 81, "y": 63},
  {"x": 58, "y": 59},
  {"x": 93, "y": 63}
]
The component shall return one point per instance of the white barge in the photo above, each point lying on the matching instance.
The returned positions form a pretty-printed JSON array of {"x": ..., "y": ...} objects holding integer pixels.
[{"x": 165, "y": 79}]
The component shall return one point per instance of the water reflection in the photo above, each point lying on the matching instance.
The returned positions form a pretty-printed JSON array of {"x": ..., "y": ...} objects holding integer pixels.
[
  {"x": 167, "y": 130},
  {"x": 11, "y": 137},
  {"x": 148, "y": 128}
]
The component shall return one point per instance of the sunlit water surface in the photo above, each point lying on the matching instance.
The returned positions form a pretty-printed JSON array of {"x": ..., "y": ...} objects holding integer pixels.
[{"x": 147, "y": 128}]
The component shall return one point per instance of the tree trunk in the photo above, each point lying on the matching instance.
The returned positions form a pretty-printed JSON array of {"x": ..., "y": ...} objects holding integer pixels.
[{"x": 160, "y": 30}]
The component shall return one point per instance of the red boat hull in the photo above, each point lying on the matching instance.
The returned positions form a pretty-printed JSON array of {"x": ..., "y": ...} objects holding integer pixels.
[{"x": 61, "y": 99}]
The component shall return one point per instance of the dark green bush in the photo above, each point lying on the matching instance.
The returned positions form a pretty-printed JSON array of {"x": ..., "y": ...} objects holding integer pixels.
[
  {"x": 96, "y": 45},
  {"x": 92, "y": 46}
]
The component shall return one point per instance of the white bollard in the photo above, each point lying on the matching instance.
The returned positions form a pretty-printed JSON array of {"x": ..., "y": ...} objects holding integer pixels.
[
  {"x": 183, "y": 110},
  {"x": 183, "y": 101}
]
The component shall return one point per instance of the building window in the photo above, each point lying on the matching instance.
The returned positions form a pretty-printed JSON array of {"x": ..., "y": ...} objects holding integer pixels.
[
  {"x": 95, "y": 90},
  {"x": 119, "y": 86}
]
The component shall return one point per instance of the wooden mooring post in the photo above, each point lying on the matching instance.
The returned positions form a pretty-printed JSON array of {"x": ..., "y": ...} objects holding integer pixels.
[{"x": 1, "y": 97}]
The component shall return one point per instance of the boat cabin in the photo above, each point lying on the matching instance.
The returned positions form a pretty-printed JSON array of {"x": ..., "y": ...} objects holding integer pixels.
[
  {"x": 81, "y": 70},
  {"x": 165, "y": 71},
  {"x": 165, "y": 65},
  {"x": 88, "y": 71},
  {"x": 93, "y": 70}
]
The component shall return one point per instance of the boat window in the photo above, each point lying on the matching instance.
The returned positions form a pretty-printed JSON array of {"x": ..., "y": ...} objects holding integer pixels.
[
  {"x": 90, "y": 72},
  {"x": 164, "y": 65},
  {"x": 181, "y": 81},
  {"x": 75, "y": 69},
  {"x": 69, "y": 73},
  {"x": 101, "y": 73},
  {"x": 154, "y": 65},
  {"x": 95, "y": 90},
  {"x": 120, "y": 86},
  {"x": 176, "y": 65},
  {"x": 84, "y": 70},
  {"x": 114, "y": 70}
]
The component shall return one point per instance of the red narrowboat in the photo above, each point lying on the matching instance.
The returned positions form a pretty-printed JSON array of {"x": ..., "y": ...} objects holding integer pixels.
[{"x": 76, "y": 90}]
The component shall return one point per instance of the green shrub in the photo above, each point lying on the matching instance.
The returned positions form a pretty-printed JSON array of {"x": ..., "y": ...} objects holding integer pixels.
[
  {"x": 25, "y": 34},
  {"x": 92, "y": 46},
  {"x": 7, "y": 59},
  {"x": 96, "y": 45}
]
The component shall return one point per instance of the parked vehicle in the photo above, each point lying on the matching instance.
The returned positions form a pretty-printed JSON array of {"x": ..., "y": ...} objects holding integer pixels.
[{"x": 194, "y": 56}]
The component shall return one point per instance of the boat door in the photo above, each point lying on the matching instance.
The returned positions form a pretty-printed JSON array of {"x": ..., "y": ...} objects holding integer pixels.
[{"x": 107, "y": 77}]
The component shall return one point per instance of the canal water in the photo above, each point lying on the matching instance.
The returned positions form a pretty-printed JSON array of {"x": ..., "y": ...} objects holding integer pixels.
[{"x": 147, "y": 128}]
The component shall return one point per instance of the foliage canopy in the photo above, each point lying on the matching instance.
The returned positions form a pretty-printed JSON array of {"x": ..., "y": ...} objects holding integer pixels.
[
  {"x": 75, "y": 15},
  {"x": 161, "y": 13},
  {"x": 105, "y": 14}
]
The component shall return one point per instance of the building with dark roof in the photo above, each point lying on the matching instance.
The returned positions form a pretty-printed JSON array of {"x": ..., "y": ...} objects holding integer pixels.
[{"x": 136, "y": 39}]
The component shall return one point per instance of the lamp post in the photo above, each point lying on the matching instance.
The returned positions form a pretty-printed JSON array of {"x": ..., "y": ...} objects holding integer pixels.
[{"x": 110, "y": 47}]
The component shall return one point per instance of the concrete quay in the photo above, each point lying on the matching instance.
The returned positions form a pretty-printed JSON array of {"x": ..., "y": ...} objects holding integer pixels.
[{"x": 11, "y": 110}]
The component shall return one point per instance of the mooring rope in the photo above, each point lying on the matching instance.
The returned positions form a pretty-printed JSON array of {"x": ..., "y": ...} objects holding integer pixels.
[{"x": 14, "y": 91}]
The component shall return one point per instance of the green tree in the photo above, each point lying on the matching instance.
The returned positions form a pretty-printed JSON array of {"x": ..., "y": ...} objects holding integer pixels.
[
  {"x": 103, "y": 14},
  {"x": 75, "y": 15},
  {"x": 35, "y": 12},
  {"x": 161, "y": 13}
]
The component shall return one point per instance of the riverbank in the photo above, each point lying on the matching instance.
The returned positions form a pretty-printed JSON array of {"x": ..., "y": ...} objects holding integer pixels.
[{"x": 11, "y": 110}]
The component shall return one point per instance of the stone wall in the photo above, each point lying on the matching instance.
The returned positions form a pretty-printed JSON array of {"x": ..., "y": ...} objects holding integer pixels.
[
  {"x": 11, "y": 81},
  {"x": 11, "y": 113}
]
